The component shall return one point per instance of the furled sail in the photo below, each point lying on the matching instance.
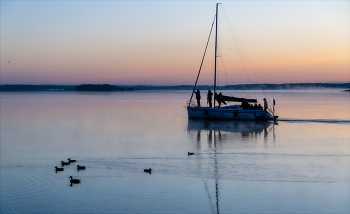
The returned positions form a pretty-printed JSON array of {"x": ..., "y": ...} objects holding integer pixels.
[{"x": 238, "y": 99}]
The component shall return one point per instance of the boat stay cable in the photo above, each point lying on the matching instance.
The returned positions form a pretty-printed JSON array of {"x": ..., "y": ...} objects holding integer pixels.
[
  {"x": 239, "y": 52},
  {"x": 227, "y": 76},
  {"x": 231, "y": 30}
]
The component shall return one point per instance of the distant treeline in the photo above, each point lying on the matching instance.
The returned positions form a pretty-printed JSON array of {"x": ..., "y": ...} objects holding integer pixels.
[
  {"x": 108, "y": 87},
  {"x": 37, "y": 88},
  {"x": 83, "y": 87},
  {"x": 103, "y": 87},
  {"x": 285, "y": 86},
  {"x": 288, "y": 86}
]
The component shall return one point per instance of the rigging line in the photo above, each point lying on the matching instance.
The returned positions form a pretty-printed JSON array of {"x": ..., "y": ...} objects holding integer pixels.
[
  {"x": 240, "y": 55},
  {"x": 262, "y": 88},
  {"x": 209, "y": 197},
  {"x": 200, "y": 67},
  {"x": 223, "y": 65}
]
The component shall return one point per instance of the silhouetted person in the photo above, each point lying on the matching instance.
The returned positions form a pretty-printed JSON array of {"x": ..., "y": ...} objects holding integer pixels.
[
  {"x": 198, "y": 97},
  {"x": 245, "y": 105},
  {"x": 265, "y": 105},
  {"x": 210, "y": 98},
  {"x": 220, "y": 99},
  {"x": 250, "y": 106}
]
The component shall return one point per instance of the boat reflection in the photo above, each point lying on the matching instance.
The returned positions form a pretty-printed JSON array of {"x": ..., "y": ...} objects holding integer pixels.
[
  {"x": 219, "y": 132},
  {"x": 247, "y": 129}
]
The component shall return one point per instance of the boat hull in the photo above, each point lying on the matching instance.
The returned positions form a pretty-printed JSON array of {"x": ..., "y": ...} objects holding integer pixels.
[{"x": 227, "y": 114}]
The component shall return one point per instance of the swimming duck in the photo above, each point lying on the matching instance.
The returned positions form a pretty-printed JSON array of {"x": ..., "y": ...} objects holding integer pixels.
[
  {"x": 71, "y": 161},
  {"x": 148, "y": 170},
  {"x": 74, "y": 181},
  {"x": 58, "y": 169},
  {"x": 64, "y": 163},
  {"x": 80, "y": 167},
  {"x": 190, "y": 153}
]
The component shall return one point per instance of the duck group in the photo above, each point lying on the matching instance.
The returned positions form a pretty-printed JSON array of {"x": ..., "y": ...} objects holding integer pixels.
[
  {"x": 79, "y": 167},
  {"x": 66, "y": 163}
]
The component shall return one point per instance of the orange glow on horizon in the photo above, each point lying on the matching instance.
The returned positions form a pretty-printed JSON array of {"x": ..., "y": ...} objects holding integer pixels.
[{"x": 164, "y": 45}]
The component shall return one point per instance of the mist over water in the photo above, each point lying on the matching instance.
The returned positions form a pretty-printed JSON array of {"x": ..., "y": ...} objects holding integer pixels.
[{"x": 298, "y": 165}]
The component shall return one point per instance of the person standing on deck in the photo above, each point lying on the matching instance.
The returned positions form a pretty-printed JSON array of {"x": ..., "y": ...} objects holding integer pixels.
[
  {"x": 209, "y": 98},
  {"x": 219, "y": 98},
  {"x": 198, "y": 97},
  {"x": 265, "y": 105}
]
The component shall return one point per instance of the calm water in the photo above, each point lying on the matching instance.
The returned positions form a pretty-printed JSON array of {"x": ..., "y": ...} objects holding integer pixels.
[{"x": 300, "y": 165}]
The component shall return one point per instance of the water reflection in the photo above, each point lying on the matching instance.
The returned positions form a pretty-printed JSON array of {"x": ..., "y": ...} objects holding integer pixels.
[{"x": 219, "y": 132}]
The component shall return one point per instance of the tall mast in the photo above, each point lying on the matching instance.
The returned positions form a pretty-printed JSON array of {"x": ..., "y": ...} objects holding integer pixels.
[{"x": 216, "y": 47}]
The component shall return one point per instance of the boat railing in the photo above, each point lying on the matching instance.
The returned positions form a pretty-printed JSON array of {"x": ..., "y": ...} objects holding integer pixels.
[{"x": 191, "y": 104}]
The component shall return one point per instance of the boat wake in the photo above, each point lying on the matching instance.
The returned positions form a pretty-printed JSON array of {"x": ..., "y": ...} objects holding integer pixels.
[{"x": 329, "y": 121}]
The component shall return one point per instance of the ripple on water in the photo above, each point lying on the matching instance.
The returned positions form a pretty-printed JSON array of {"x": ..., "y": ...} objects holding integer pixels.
[{"x": 30, "y": 188}]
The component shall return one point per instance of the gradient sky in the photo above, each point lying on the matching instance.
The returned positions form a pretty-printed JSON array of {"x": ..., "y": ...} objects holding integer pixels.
[{"x": 162, "y": 42}]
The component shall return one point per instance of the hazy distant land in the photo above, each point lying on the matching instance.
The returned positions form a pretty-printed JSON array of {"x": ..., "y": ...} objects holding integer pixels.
[
  {"x": 103, "y": 87},
  {"x": 109, "y": 87}
]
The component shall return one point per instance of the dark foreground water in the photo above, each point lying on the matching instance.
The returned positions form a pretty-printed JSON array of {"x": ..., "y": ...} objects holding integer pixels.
[{"x": 299, "y": 165}]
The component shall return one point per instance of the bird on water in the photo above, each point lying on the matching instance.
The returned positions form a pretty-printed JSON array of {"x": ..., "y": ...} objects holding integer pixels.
[
  {"x": 71, "y": 161},
  {"x": 148, "y": 170},
  {"x": 64, "y": 163},
  {"x": 74, "y": 181},
  {"x": 80, "y": 167},
  {"x": 58, "y": 169}
]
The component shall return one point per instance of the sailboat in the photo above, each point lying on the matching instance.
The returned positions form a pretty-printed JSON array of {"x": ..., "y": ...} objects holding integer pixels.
[{"x": 245, "y": 110}]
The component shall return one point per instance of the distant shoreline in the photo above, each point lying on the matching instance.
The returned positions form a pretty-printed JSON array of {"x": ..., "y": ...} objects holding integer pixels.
[{"x": 107, "y": 87}]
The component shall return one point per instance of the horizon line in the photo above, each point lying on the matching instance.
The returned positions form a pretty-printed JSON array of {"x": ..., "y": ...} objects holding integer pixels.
[{"x": 183, "y": 84}]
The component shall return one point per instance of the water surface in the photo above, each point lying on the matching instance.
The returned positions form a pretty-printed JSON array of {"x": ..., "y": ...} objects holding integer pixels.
[{"x": 298, "y": 165}]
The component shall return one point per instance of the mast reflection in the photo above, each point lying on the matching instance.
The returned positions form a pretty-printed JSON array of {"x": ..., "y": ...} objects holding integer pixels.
[{"x": 220, "y": 132}]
